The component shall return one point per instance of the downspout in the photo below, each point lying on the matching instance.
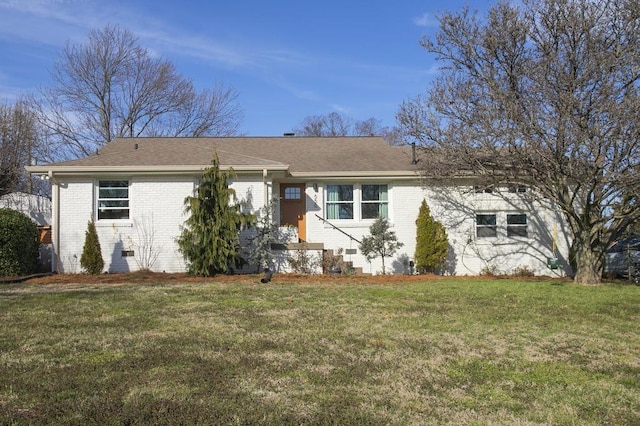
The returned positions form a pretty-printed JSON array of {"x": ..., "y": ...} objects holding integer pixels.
[
  {"x": 55, "y": 218},
  {"x": 265, "y": 189}
]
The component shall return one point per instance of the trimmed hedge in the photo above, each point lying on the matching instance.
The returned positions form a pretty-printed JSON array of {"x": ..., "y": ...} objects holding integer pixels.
[{"x": 18, "y": 244}]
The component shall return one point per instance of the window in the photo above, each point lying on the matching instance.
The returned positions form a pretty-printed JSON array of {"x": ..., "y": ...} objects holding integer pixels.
[
  {"x": 517, "y": 225},
  {"x": 483, "y": 189},
  {"x": 339, "y": 201},
  {"x": 518, "y": 189},
  {"x": 113, "y": 199},
  {"x": 486, "y": 226},
  {"x": 375, "y": 202},
  {"x": 292, "y": 193}
]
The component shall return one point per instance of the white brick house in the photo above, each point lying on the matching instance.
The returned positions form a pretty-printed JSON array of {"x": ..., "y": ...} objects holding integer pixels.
[{"x": 329, "y": 189}]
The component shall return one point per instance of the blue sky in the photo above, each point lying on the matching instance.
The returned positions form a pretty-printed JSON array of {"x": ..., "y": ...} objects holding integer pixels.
[{"x": 287, "y": 59}]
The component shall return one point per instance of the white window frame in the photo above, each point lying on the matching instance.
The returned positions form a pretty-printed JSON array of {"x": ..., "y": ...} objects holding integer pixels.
[
  {"x": 517, "y": 230},
  {"x": 106, "y": 200},
  {"x": 339, "y": 203},
  {"x": 357, "y": 202},
  {"x": 482, "y": 227},
  {"x": 378, "y": 202}
]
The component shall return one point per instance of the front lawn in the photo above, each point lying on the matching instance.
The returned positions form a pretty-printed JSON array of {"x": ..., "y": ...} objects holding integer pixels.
[{"x": 320, "y": 351}]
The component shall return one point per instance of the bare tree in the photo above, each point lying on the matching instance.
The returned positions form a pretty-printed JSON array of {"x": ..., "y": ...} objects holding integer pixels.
[
  {"x": 18, "y": 142},
  {"x": 332, "y": 124},
  {"x": 336, "y": 124},
  {"x": 112, "y": 87},
  {"x": 545, "y": 94}
]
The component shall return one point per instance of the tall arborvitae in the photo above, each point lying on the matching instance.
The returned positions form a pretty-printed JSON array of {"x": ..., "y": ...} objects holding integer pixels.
[
  {"x": 91, "y": 259},
  {"x": 431, "y": 242},
  {"x": 210, "y": 238}
]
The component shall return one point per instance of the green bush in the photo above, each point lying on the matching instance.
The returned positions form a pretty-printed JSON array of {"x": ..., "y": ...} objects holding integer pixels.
[
  {"x": 91, "y": 259},
  {"x": 210, "y": 237},
  {"x": 432, "y": 242},
  {"x": 18, "y": 244}
]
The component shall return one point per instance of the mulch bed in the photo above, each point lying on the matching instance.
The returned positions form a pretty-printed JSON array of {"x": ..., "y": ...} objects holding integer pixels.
[{"x": 155, "y": 277}]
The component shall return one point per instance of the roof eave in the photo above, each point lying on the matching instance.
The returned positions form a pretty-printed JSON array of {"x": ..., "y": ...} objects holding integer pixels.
[
  {"x": 159, "y": 170},
  {"x": 329, "y": 175}
]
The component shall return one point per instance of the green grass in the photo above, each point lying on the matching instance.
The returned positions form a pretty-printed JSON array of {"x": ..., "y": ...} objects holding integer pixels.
[{"x": 458, "y": 351}]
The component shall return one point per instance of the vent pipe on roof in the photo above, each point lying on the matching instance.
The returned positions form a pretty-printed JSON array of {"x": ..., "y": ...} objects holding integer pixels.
[
  {"x": 135, "y": 146},
  {"x": 414, "y": 157}
]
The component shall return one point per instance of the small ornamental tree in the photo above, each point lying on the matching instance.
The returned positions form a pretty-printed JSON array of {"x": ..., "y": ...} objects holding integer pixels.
[
  {"x": 381, "y": 242},
  {"x": 432, "y": 242},
  {"x": 18, "y": 244},
  {"x": 210, "y": 238},
  {"x": 260, "y": 253},
  {"x": 91, "y": 259}
]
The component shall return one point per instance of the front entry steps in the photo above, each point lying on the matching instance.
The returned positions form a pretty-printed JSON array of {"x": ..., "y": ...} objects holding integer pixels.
[
  {"x": 335, "y": 264},
  {"x": 332, "y": 263}
]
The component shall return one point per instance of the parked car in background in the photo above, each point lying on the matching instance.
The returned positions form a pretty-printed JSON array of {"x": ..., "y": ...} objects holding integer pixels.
[{"x": 623, "y": 259}]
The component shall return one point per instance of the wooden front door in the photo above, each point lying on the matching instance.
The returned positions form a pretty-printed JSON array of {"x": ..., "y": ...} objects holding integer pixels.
[{"x": 293, "y": 207}]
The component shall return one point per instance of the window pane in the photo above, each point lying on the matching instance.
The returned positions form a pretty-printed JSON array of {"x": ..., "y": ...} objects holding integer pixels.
[
  {"x": 516, "y": 219},
  {"x": 487, "y": 231},
  {"x": 292, "y": 193},
  {"x": 370, "y": 210},
  {"x": 113, "y": 203},
  {"x": 486, "y": 219},
  {"x": 114, "y": 184},
  {"x": 113, "y": 214},
  {"x": 346, "y": 211},
  {"x": 517, "y": 231},
  {"x": 113, "y": 193},
  {"x": 340, "y": 192},
  {"x": 374, "y": 192}
]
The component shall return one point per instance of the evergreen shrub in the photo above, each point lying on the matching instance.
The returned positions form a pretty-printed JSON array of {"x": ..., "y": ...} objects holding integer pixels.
[
  {"x": 91, "y": 259},
  {"x": 18, "y": 244},
  {"x": 432, "y": 243}
]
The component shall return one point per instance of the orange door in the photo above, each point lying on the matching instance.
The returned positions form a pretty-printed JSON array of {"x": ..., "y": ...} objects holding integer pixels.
[{"x": 293, "y": 206}]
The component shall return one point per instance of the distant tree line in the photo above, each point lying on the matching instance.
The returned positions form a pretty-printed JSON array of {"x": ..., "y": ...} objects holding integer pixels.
[{"x": 335, "y": 124}]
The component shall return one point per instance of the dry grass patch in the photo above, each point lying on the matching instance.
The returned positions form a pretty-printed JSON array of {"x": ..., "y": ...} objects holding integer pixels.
[{"x": 320, "y": 351}]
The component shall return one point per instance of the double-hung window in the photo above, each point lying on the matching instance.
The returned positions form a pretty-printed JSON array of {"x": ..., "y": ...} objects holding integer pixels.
[
  {"x": 517, "y": 225},
  {"x": 486, "y": 226},
  {"x": 339, "y": 201},
  {"x": 113, "y": 199},
  {"x": 374, "y": 202}
]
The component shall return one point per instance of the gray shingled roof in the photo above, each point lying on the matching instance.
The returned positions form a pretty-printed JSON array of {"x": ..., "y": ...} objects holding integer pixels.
[{"x": 299, "y": 155}]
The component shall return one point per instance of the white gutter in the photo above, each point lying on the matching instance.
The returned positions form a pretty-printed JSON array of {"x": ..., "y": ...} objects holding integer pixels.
[
  {"x": 171, "y": 169},
  {"x": 55, "y": 219},
  {"x": 334, "y": 175},
  {"x": 265, "y": 197}
]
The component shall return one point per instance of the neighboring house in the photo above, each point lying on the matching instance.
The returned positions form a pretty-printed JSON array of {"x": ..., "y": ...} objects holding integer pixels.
[
  {"x": 38, "y": 208},
  {"x": 328, "y": 190}
]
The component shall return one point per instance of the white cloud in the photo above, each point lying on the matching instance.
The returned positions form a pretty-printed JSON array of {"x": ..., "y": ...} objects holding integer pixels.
[
  {"x": 341, "y": 108},
  {"x": 425, "y": 20}
]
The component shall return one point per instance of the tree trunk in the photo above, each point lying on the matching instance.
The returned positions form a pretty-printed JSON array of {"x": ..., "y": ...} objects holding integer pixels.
[{"x": 588, "y": 265}]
